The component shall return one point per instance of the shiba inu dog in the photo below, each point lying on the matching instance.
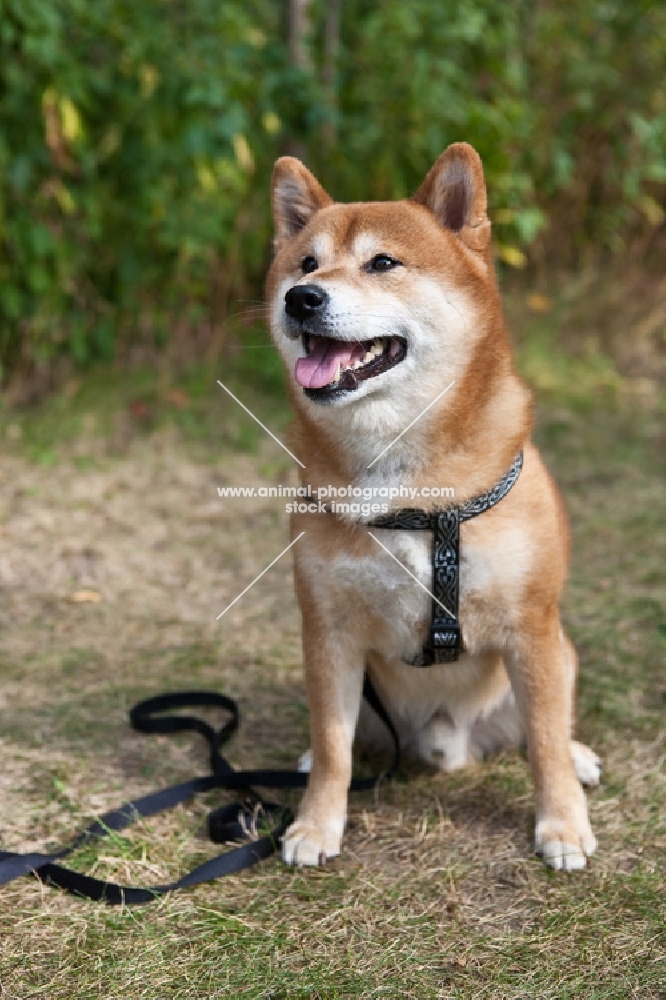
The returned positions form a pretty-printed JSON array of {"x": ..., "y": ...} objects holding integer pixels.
[{"x": 376, "y": 308}]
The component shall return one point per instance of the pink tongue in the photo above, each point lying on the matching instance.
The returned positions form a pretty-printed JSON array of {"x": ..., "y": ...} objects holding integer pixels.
[{"x": 319, "y": 367}]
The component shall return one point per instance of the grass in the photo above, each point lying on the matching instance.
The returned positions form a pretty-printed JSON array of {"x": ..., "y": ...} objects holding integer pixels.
[{"x": 437, "y": 894}]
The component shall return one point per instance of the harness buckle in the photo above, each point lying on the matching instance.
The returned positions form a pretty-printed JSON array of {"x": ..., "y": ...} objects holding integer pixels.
[
  {"x": 444, "y": 646},
  {"x": 445, "y": 635}
]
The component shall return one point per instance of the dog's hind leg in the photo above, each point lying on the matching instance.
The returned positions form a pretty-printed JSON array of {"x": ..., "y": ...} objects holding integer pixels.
[
  {"x": 444, "y": 744},
  {"x": 587, "y": 763}
]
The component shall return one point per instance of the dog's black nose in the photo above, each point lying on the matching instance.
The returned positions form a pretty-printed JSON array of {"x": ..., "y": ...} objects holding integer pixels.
[{"x": 303, "y": 301}]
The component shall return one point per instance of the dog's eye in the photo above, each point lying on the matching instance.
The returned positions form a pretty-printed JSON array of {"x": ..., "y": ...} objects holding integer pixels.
[
  {"x": 309, "y": 264},
  {"x": 382, "y": 262}
]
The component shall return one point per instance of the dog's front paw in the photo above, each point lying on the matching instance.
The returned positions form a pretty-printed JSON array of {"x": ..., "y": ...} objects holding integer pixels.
[
  {"x": 308, "y": 843},
  {"x": 565, "y": 846}
]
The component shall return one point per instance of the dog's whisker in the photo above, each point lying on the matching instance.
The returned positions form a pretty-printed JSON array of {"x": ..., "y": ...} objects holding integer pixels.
[{"x": 251, "y": 313}]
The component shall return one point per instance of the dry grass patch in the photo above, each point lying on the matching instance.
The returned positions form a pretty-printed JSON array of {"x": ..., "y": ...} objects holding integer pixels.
[{"x": 437, "y": 894}]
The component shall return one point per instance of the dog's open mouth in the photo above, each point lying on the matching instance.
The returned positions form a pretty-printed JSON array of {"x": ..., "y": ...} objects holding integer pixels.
[{"x": 331, "y": 366}]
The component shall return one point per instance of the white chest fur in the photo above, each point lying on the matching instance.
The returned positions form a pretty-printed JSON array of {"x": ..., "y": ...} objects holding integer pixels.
[
  {"x": 391, "y": 590},
  {"x": 384, "y": 584}
]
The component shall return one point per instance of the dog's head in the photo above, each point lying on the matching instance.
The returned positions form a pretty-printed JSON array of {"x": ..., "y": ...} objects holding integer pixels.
[{"x": 381, "y": 301}]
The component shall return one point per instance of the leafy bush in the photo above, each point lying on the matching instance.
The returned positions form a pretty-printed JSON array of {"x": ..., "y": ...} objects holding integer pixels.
[
  {"x": 124, "y": 162},
  {"x": 565, "y": 102},
  {"x": 136, "y": 142}
]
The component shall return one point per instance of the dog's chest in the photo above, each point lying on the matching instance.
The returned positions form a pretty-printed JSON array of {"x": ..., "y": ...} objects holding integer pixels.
[
  {"x": 374, "y": 587},
  {"x": 392, "y": 584},
  {"x": 391, "y": 573}
]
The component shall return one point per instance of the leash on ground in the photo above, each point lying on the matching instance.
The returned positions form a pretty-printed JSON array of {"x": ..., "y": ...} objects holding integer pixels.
[{"x": 226, "y": 824}]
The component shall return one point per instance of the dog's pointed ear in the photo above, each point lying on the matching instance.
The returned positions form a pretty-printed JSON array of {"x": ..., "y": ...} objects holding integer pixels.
[
  {"x": 296, "y": 196},
  {"x": 455, "y": 192}
]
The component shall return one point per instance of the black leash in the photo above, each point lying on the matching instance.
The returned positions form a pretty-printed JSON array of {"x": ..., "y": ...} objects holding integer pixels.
[{"x": 228, "y": 823}]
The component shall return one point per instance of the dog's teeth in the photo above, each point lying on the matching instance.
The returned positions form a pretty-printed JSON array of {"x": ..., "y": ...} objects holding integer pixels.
[
  {"x": 336, "y": 377},
  {"x": 357, "y": 364},
  {"x": 368, "y": 357},
  {"x": 377, "y": 347}
]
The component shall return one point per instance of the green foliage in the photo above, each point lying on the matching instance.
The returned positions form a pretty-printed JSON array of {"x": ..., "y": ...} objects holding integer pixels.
[
  {"x": 424, "y": 74},
  {"x": 123, "y": 162},
  {"x": 565, "y": 102},
  {"x": 598, "y": 84},
  {"x": 136, "y": 142}
]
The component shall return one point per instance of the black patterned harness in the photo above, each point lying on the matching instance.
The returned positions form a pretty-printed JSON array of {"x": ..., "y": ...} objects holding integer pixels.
[{"x": 444, "y": 641}]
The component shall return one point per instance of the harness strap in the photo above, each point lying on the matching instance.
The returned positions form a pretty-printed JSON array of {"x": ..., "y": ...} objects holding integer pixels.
[
  {"x": 228, "y": 823},
  {"x": 444, "y": 642}
]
